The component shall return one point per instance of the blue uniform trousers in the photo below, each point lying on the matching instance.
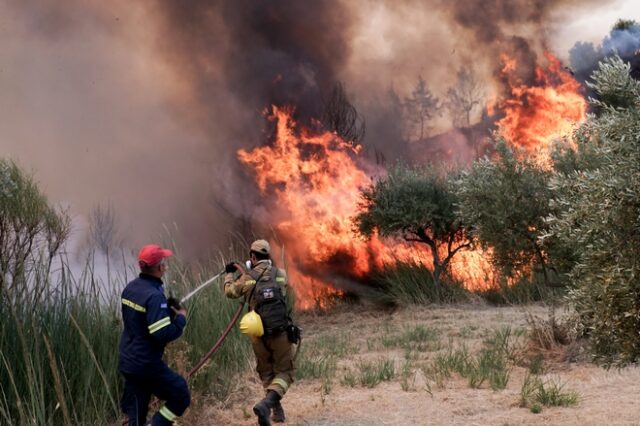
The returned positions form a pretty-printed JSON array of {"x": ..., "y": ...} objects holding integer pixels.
[{"x": 162, "y": 382}]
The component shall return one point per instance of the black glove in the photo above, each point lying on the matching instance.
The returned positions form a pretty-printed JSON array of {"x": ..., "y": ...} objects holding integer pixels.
[
  {"x": 172, "y": 302},
  {"x": 230, "y": 268}
]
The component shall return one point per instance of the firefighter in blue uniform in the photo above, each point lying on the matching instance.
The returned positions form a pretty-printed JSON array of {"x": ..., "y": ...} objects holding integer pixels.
[{"x": 150, "y": 322}]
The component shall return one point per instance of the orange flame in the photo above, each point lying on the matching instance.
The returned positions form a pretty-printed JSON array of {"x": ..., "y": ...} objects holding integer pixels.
[
  {"x": 536, "y": 116},
  {"x": 316, "y": 179}
]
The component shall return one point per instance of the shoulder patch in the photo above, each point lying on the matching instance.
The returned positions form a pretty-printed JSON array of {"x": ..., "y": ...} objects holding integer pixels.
[{"x": 163, "y": 305}]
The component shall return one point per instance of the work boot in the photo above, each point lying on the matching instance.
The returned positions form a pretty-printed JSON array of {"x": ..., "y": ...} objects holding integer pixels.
[
  {"x": 263, "y": 408},
  {"x": 278, "y": 413}
]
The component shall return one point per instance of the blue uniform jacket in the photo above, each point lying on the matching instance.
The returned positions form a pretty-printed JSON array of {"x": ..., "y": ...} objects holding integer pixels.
[{"x": 147, "y": 326}]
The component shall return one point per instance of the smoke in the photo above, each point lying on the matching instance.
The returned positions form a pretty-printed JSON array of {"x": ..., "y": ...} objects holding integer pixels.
[
  {"x": 622, "y": 40},
  {"x": 144, "y": 105}
]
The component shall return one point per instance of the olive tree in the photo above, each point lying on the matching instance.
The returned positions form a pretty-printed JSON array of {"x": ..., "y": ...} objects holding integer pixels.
[
  {"x": 598, "y": 214},
  {"x": 31, "y": 230},
  {"x": 505, "y": 200},
  {"x": 418, "y": 205}
]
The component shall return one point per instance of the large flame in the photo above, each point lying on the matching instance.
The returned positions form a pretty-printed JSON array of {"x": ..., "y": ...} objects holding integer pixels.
[
  {"x": 536, "y": 116},
  {"x": 314, "y": 180}
]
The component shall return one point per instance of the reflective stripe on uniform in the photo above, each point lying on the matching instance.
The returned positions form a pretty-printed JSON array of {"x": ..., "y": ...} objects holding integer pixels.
[
  {"x": 280, "y": 382},
  {"x": 280, "y": 279},
  {"x": 158, "y": 325},
  {"x": 167, "y": 414},
  {"x": 135, "y": 306}
]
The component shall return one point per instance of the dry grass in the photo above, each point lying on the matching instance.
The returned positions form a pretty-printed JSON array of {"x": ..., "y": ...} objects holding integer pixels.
[{"x": 410, "y": 397}]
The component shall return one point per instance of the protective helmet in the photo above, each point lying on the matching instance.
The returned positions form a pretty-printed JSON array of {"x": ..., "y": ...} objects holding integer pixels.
[{"x": 251, "y": 324}]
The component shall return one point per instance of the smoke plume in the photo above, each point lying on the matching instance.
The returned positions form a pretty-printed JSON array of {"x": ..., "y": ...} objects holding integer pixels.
[{"x": 144, "y": 105}]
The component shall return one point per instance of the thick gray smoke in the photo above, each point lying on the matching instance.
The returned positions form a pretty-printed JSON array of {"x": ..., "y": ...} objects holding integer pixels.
[
  {"x": 143, "y": 105},
  {"x": 622, "y": 40}
]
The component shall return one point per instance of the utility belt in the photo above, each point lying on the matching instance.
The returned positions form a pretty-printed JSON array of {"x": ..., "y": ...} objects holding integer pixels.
[{"x": 294, "y": 333}]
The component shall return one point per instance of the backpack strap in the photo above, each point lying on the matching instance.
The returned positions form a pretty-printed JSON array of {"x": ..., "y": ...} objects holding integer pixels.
[{"x": 252, "y": 274}]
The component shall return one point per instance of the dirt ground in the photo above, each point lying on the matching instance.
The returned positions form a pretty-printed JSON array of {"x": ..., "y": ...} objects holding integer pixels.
[{"x": 605, "y": 397}]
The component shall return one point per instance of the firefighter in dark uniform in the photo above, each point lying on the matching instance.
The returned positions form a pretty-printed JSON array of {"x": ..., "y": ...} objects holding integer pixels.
[
  {"x": 273, "y": 350},
  {"x": 150, "y": 322}
]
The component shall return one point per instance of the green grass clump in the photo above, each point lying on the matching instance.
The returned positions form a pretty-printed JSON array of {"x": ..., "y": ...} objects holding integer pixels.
[
  {"x": 315, "y": 367},
  {"x": 551, "y": 393},
  {"x": 370, "y": 373},
  {"x": 407, "y": 377},
  {"x": 374, "y": 372},
  {"x": 491, "y": 365},
  {"x": 418, "y": 338},
  {"x": 318, "y": 358}
]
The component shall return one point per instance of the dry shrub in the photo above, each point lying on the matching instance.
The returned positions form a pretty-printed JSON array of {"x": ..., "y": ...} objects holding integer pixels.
[{"x": 557, "y": 338}]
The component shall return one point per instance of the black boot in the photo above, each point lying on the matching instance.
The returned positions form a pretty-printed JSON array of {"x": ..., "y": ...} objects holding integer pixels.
[
  {"x": 263, "y": 408},
  {"x": 278, "y": 413}
]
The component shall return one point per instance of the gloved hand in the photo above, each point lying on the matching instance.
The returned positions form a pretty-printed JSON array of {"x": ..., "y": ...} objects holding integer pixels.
[
  {"x": 172, "y": 302},
  {"x": 230, "y": 267}
]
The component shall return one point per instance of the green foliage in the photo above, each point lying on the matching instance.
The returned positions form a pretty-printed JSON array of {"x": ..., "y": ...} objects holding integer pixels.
[
  {"x": 614, "y": 85},
  {"x": 31, "y": 231},
  {"x": 58, "y": 351},
  {"x": 505, "y": 202},
  {"x": 209, "y": 313},
  {"x": 419, "y": 205},
  {"x": 598, "y": 216}
]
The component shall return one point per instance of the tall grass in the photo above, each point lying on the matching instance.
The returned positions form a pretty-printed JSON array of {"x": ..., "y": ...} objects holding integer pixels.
[
  {"x": 58, "y": 350},
  {"x": 209, "y": 312},
  {"x": 412, "y": 283},
  {"x": 59, "y": 346}
]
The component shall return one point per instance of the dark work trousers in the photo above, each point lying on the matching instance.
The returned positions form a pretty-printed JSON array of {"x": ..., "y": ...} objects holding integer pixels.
[
  {"x": 274, "y": 358},
  {"x": 162, "y": 382}
]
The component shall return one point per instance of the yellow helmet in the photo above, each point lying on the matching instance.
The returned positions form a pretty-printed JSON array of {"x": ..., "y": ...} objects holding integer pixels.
[{"x": 251, "y": 324}]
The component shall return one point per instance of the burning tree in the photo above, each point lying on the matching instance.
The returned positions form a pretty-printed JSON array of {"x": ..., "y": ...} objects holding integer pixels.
[
  {"x": 418, "y": 205},
  {"x": 342, "y": 117},
  {"x": 599, "y": 217},
  {"x": 506, "y": 202}
]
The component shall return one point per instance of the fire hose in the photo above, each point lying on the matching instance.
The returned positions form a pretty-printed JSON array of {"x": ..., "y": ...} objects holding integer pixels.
[
  {"x": 220, "y": 340},
  {"x": 222, "y": 337}
]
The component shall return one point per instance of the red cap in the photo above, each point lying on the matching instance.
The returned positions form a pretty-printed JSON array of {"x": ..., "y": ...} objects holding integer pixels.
[{"x": 152, "y": 254}]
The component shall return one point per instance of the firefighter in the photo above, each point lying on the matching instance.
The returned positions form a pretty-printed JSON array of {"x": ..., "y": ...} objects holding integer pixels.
[
  {"x": 264, "y": 286},
  {"x": 150, "y": 322}
]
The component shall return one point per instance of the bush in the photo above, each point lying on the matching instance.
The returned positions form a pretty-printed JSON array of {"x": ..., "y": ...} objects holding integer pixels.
[{"x": 598, "y": 217}]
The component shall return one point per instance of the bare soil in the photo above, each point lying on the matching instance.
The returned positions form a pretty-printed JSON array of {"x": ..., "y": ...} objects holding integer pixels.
[{"x": 606, "y": 397}]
